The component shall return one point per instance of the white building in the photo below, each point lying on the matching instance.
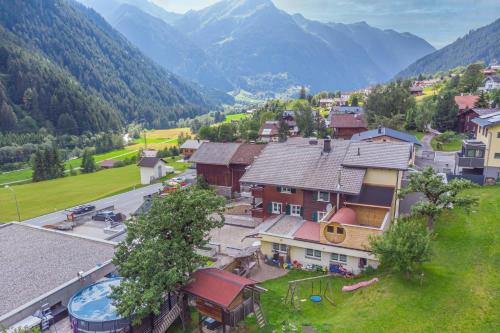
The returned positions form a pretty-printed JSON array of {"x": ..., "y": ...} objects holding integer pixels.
[
  {"x": 491, "y": 83},
  {"x": 153, "y": 168}
]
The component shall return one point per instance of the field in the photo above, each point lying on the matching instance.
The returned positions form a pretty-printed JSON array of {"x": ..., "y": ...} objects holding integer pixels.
[
  {"x": 428, "y": 91},
  {"x": 69, "y": 191},
  {"x": 457, "y": 292},
  {"x": 236, "y": 117},
  {"x": 45, "y": 197},
  {"x": 156, "y": 139}
]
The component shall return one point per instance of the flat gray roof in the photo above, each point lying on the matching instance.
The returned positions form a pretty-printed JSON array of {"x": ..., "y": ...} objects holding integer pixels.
[{"x": 33, "y": 261}]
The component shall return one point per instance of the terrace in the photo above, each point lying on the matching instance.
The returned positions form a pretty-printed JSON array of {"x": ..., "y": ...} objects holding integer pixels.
[{"x": 471, "y": 155}]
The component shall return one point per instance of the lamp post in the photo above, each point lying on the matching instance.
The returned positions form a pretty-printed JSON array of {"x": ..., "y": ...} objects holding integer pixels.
[{"x": 15, "y": 198}]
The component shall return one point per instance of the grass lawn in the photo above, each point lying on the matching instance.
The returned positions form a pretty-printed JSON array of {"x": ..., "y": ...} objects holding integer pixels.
[
  {"x": 45, "y": 197},
  {"x": 454, "y": 145},
  {"x": 459, "y": 291},
  {"x": 418, "y": 135},
  {"x": 237, "y": 116}
]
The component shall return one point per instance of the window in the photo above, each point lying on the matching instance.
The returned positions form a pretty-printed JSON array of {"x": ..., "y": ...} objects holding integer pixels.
[
  {"x": 497, "y": 155},
  {"x": 471, "y": 153},
  {"x": 330, "y": 229},
  {"x": 282, "y": 248},
  {"x": 338, "y": 257},
  {"x": 340, "y": 230},
  {"x": 323, "y": 196},
  {"x": 285, "y": 189},
  {"x": 295, "y": 210},
  {"x": 314, "y": 254},
  {"x": 498, "y": 135},
  {"x": 277, "y": 207},
  {"x": 321, "y": 215}
]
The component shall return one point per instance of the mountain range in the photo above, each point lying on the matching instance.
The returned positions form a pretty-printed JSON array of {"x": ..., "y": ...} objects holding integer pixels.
[
  {"x": 75, "y": 40},
  {"x": 253, "y": 45},
  {"x": 482, "y": 44}
]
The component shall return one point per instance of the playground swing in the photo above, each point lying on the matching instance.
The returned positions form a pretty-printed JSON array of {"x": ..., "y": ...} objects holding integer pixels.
[{"x": 324, "y": 291}]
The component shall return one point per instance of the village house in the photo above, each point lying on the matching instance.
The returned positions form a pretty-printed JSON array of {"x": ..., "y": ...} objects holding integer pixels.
[
  {"x": 481, "y": 156},
  {"x": 416, "y": 90},
  {"x": 385, "y": 134},
  {"x": 490, "y": 83},
  {"x": 269, "y": 131},
  {"x": 289, "y": 117},
  {"x": 346, "y": 109},
  {"x": 465, "y": 123},
  {"x": 326, "y": 102},
  {"x": 108, "y": 164},
  {"x": 153, "y": 168},
  {"x": 188, "y": 148},
  {"x": 322, "y": 199},
  {"x": 465, "y": 102},
  {"x": 223, "y": 164},
  {"x": 346, "y": 125}
]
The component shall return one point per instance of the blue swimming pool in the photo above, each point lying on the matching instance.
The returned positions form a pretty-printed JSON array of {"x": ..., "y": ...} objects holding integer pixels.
[{"x": 91, "y": 309}]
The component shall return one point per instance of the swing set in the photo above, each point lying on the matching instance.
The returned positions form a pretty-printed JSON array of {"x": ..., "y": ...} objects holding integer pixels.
[{"x": 319, "y": 290}]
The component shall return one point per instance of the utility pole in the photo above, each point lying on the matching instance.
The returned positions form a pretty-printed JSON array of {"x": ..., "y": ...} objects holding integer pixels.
[{"x": 15, "y": 198}]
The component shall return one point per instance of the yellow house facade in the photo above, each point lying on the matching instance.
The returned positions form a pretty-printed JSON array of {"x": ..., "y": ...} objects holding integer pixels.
[{"x": 488, "y": 132}]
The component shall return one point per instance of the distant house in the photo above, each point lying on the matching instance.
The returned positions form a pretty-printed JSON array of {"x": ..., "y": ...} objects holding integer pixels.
[
  {"x": 326, "y": 102},
  {"x": 190, "y": 146},
  {"x": 384, "y": 134},
  {"x": 465, "y": 123},
  {"x": 416, "y": 91},
  {"x": 346, "y": 125},
  {"x": 269, "y": 131},
  {"x": 153, "y": 168},
  {"x": 491, "y": 83},
  {"x": 346, "y": 109},
  {"x": 223, "y": 164},
  {"x": 465, "y": 102},
  {"x": 149, "y": 153},
  {"x": 108, "y": 164}
]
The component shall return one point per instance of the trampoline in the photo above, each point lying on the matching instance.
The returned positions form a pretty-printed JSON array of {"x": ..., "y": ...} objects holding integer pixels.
[{"x": 91, "y": 310}]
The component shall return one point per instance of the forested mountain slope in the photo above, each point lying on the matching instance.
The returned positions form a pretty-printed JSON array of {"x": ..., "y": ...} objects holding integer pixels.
[
  {"x": 80, "y": 41},
  {"x": 482, "y": 44}
]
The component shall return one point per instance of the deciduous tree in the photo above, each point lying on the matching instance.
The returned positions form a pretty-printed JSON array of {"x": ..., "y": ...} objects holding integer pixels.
[
  {"x": 160, "y": 250},
  {"x": 438, "y": 195},
  {"x": 403, "y": 247}
]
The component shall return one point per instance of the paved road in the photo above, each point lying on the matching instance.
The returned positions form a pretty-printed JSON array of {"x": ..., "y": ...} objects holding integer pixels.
[
  {"x": 125, "y": 203},
  {"x": 439, "y": 160}
]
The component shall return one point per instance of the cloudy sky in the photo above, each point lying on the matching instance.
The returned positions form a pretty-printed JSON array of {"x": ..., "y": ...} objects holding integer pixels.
[{"x": 440, "y": 22}]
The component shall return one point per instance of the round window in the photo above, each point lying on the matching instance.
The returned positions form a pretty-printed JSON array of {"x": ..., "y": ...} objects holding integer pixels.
[{"x": 334, "y": 232}]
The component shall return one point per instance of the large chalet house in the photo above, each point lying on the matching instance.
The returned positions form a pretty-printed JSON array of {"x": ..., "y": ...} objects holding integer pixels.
[
  {"x": 269, "y": 131},
  {"x": 481, "y": 156},
  {"x": 346, "y": 125},
  {"x": 491, "y": 83},
  {"x": 321, "y": 199},
  {"x": 465, "y": 123},
  {"x": 223, "y": 164}
]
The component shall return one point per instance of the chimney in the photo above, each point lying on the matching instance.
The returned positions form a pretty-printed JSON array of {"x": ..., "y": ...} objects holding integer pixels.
[
  {"x": 359, "y": 151},
  {"x": 327, "y": 147},
  {"x": 379, "y": 129}
]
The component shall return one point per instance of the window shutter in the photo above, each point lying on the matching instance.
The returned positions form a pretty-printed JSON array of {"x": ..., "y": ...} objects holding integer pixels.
[
  {"x": 287, "y": 209},
  {"x": 302, "y": 211},
  {"x": 315, "y": 196},
  {"x": 295, "y": 190},
  {"x": 270, "y": 207},
  {"x": 278, "y": 188},
  {"x": 315, "y": 216}
]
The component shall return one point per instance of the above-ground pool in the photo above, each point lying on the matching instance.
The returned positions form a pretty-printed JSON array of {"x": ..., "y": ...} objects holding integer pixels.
[{"x": 91, "y": 309}]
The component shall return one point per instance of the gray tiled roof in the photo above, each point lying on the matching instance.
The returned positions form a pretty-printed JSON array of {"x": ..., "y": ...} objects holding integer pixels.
[
  {"x": 298, "y": 164},
  {"x": 192, "y": 144},
  {"x": 385, "y": 131},
  {"x": 380, "y": 155},
  {"x": 216, "y": 153},
  {"x": 34, "y": 261}
]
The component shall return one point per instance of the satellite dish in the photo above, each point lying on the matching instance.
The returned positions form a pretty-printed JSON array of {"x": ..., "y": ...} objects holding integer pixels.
[{"x": 329, "y": 207}]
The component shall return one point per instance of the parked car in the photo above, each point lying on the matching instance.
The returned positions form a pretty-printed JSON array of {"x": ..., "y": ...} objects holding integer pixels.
[
  {"x": 103, "y": 215},
  {"x": 82, "y": 209}
]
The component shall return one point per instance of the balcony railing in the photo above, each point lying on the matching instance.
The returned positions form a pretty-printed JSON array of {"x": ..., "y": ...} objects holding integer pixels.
[{"x": 468, "y": 162}]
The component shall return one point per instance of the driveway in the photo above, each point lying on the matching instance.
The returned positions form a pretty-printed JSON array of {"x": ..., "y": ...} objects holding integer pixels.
[{"x": 439, "y": 160}]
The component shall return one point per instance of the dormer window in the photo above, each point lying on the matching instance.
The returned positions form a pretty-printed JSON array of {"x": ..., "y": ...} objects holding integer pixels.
[{"x": 285, "y": 189}]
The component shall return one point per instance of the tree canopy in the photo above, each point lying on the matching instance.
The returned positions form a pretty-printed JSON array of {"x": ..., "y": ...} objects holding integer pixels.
[{"x": 160, "y": 250}]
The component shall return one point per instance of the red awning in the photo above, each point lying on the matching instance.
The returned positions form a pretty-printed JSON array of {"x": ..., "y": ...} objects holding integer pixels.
[{"x": 217, "y": 286}]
